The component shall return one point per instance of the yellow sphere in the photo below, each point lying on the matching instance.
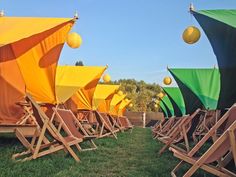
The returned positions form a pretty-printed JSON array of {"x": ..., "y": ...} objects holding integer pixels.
[
  {"x": 120, "y": 93},
  {"x": 167, "y": 80},
  {"x": 106, "y": 78},
  {"x": 191, "y": 35},
  {"x": 156, "y": 106},
  {"x": 131, "y": 105},
  {"x": 74, "y": 40},
  {"x": 161, "y": 95},
  {"x": 126, "y": 99}
]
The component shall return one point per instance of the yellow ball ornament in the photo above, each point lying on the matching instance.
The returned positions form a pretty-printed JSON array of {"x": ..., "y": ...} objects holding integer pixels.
[
  {"x": 156, "y": 106},
  {"x": 191, "y": 35},
  {"x": 106, "y": 78},
  {"x": 161, "y": 95},
  {"x": 131, "y": 105},
  {"x": 167, "y": 80},
  {"x": 74, "y": 40},
  {"x": 126, "y": 99},
  {"x": 120, "y": 93}
]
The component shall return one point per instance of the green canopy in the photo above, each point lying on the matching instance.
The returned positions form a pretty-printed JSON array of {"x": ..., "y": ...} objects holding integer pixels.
[
  {"x": 163, "y": 108},
  {"x": 220, "y": 28},
  {"x": 166, "y": 101},
  {"x": 176, "y": 99},
  {"x": 200, "y": 87}
]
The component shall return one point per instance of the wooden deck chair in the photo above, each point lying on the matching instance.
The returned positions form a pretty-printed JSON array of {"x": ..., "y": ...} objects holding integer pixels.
[
  {"x": 72, "y": 126},
  {"x": 124, "y": 122},
  {"x": 103, "y": 125},
  {"x": 113, "y": 122},
  {"x": 40, "y": 145},
  {"x": 168, "y": 126},
  {"x": 106, "y": 126},
  {"x": 88, "y": 121},
  {"x": 205, "y": 124},
  {"x": 181, "y": 132},
  {"x": 221, "y": 151}
]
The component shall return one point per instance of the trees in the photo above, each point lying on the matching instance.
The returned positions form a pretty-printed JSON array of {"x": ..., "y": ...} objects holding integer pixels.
[
  {"x": 142, "y": 94},
  {"x": 79, "y": 63}
]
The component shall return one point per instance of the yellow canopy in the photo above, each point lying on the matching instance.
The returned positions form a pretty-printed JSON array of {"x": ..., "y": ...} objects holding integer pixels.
[
  {"x": 123, "y": 106},
  {"x": 101, "y": 93},
  {"x": 70, "y": 79},
  {"x": 114, "y": 105},
  {"x": 83, "y": 98},
  {"x": 29, "y": 52}
]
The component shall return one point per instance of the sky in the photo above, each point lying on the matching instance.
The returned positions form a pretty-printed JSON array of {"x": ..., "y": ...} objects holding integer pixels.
[{"x": 138, "y": 39}]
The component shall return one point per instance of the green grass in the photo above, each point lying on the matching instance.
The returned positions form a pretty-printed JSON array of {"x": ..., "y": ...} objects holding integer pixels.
[{"x": 132, "y": 154}]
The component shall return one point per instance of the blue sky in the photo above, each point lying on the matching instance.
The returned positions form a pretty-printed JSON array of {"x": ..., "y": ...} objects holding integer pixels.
[{"x": 136, "y": 38}]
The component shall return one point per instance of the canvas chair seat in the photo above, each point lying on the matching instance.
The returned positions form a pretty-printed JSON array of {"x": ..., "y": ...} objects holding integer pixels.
[{"x": 223, "y": 147}]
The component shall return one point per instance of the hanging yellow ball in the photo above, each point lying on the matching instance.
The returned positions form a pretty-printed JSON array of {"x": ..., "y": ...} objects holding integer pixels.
[
  {"x": 126, "y": 99},
  {"x": 161, "y": 95},
  {"x": 74, "y": 40},
  {"x": 167, "y": 80},
  {"x": 191, "y": 35},
  {"x": 106, "y": 78},
  {"x": 131, "y": 105},
  {"x": 156, "y": 106},
  {"x": 120, "y": 93}
]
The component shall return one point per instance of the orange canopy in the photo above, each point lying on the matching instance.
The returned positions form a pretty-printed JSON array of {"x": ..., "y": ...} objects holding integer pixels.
[
  {"x": 29, "y": 52},
  {"x": 123, "y": 107},
  {"x": 101, "y": 94},
  {"x": 115, "y": 104},
  {"x": 83, "y": 98}
]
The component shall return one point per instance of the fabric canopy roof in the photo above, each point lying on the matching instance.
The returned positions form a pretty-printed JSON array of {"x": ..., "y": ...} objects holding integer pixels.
[
  {"x": 102, "y": 92},
  {"x": 220, "y": 28},
  {"x": 29, "y": 52},
  {"x": 115, "y": 103},
  {"x": 83, "y": 98},
  {"x": 123, "y": 107},
  {"x": 200, "y": 87},
  {"x": 69, "y": 79},
  {"x": 164, "y": 109},
  {"x": 169, "y": 105},
  {"x": 176, "y": 99}
]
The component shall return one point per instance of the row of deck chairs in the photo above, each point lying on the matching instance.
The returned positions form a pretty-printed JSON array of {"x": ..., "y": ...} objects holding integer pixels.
[
  {"x": 189, "y": 135},
  {"x": 62, "y": 130}
]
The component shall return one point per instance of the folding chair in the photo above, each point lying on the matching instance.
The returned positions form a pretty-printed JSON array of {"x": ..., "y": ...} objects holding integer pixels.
[
  {"x": 221, "y": 151},
  {"x": 72, "y": 126},
  {"x": 40, "y": 144},
  {"x": 181, "y": 132}
]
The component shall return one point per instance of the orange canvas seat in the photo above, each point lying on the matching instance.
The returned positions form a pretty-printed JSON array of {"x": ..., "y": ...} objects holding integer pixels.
[{"x": 40, "y": 145}]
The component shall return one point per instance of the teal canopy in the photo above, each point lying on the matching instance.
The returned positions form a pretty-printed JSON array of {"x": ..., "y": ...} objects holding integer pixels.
[
  {"x": 220, "y": 28},
  {"x": 176, "y": 99},
  {"x": 200, "y": 87},
  {"x": 166, "y": 101}
]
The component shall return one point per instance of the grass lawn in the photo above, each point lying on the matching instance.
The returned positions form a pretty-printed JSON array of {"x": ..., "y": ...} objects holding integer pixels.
[{"x": 132, "y": 154}]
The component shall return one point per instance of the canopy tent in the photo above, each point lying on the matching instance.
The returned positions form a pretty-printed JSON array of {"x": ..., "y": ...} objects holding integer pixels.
[
  {"x": 69, "y": 79},
  {"x": 164, "y": 109},
  {"x": 102, "y": 96},
  {"x": 200, "y": 87},
  {"x": 176, "y": 99},
  {"x": 123, "y": 106},
  {"x": 83, "y": 98},
  {"x": 220, "y": 28},
  {"x": 115, "y": 103},
  {"x": 29, "y": 52},
  {"x": 166, "y": 101}
]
